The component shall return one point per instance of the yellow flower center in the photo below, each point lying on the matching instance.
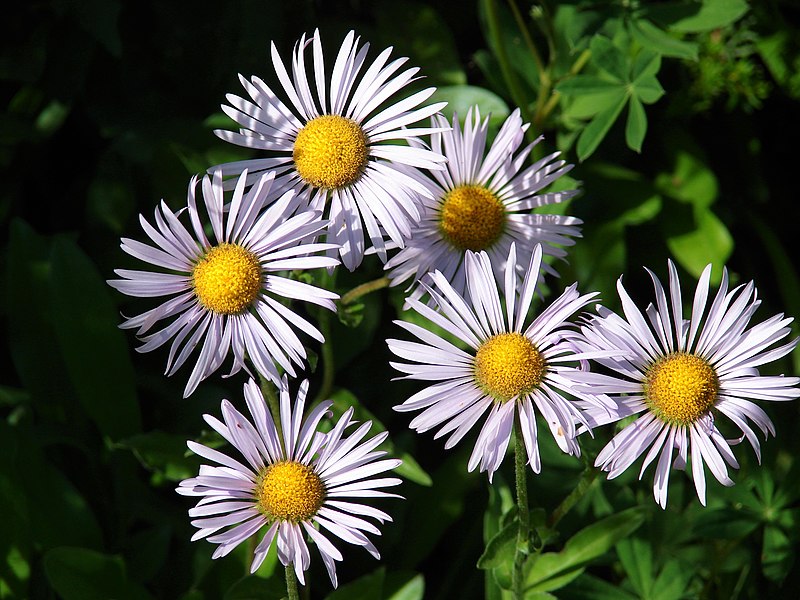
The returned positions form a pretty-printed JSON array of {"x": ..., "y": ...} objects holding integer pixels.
[
  {"x": 330, "y": 152},
  {"x": 227, "y": 279},
  {"x": 472, "y": 217},
  {"x": 290, "y": 491},
  {"x": 507, "y": 365},
  {"x": 680, "y": 388}
]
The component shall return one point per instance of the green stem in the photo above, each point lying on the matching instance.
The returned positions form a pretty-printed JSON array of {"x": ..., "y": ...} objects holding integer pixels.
[
  {"x": 523, "y": 512},
  {"x": 363, "y": 289},
  {"x": 291, "y": 583},
  {"x": 526, "y": 35},
  {"x": 274, "y": 404},
  {"x": 587, "y": 478},
  {"x": 328, "y": 360},
  {"x": 514, "y": 88}
]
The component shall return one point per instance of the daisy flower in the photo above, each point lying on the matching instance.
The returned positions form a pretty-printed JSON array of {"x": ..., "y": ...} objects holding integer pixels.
[
  {"x": 483, "y": 201},
  {"x": 509, "y": 367},
  {"x": 680, "y": 375},
  {"x": 297, "y": 484},
  {"x": 330, "y": 143},
  {"x": 224, "y": 293}
]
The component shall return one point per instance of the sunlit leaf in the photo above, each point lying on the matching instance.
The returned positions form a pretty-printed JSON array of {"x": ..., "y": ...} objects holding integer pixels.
[
  {"x": 709, "y": 241},
  {"x": 650, "y": 36},
  {"x": 460, "y": 98},
  {"x": 501, "y": 548},
  {"x": 609, "y": 57},
  {"x": 696, "y": 17},
  {"x": 598, "y": 127},
  {"x": 553, "y": 570},
  {"x": 636, "y": 127}
]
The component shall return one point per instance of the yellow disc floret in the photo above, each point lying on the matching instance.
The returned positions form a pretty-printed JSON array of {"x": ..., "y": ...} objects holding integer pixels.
[
  {"x": 330, "y": 152},
  {"x": 680, "y": 388},
  {"x": 227, "y": 279},
  {"x": 471, "y": 218},
  {"x": 507, "y": 365},
  {"x": 290, "y": 491}
]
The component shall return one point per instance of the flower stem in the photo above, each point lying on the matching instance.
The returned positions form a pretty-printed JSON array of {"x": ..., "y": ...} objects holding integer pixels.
[
  {"x": 523, "y": 513},
  {"x": 270, "y": 395},
  {"x": 291, "y": 583},
  {"x": 363, "y": 289},
  {"x": 579, "y": 492},
  {"x": 328, "y": 360}
]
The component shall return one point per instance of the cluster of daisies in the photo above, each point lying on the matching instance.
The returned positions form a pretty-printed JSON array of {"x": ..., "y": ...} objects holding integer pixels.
[{"x": 350, "y": 170}]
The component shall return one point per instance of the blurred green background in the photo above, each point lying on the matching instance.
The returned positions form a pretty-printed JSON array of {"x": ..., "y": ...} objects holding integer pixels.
[{"x": 681, "y": 118}]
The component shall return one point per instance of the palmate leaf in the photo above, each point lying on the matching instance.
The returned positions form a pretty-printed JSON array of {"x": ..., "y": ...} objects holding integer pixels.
[
  {"x": 637, "y": 124},
  {"x": 598, "y": 127}
]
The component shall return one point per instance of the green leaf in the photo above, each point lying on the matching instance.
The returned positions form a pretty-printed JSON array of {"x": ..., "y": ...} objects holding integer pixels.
[
  {"x": 580, "y": 85},
  {"x": 460, "y": 98},
  {"x": 636, "y": 127},
  {"x": 691, "y": 181},
  {"x": 404, "y": 585},
  {"x": 658, "y": 40},
  {"x": 553, "y": 570},
  {"x": 598, "y": 127},
  {"x": 588, "y": 587},
  {"x": 672, "y": 581},
  {"x": 698, "y": 16},
  {"x": 648, "y": 89},
  {"x": 636, "y": 557},
  {"x": 501, "y": 548},
  {"x": 163, "y": 452},
  {"x": 39, "y": 504},
  {"x": 29, "y": 301},
  {"x": 411, "y": 470},
  {"x": 93, "y": 347},
  {"x": 647, "y": 64},
  {"x": 725, "y": 524},
  {"x": 609, "y": 58},
  {"x": 709, "y": 241},
  {"x": 82, "y": 574},
  {"x": 368, "y": 587},
  {"x": 777, "y": 555}
]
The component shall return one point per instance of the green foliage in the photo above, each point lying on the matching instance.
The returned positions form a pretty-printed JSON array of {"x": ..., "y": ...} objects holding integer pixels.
[{"x": 679, "y": 116}]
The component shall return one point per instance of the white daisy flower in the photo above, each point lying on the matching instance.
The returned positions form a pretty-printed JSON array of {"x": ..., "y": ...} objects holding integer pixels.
[
  {"x": 331, "y": 145},
  {"x": 225, "y": 293},
  {"x": 681, "y": 375},
  {"x": 483, "y": 201},
  {"x": 296, "y": 485},
  {"x": 510, "y": 367}
]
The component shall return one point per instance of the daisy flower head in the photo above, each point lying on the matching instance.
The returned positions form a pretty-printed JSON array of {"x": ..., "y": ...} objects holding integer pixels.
[
  {"x": 224, "y": 291},
  {"x": 680, "y": 375},
  {"x": 295, "y": 482},
  {"x": 511, "y": 367},
  {"x": 341, "y": 146},
  {"x": 482, "y": 201}
]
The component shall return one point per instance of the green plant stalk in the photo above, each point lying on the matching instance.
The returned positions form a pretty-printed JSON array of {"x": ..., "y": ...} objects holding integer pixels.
[
  {"x": 523, "y": 512},
  {"x": 364, "y": 289},
  {"x": 271, "y": 396},
  {"x": 587, "y": 478},
  {"x": 328, "y": 359},
  {"x": 514, "y": 88},
  {"x": 291, "y": 583}
]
